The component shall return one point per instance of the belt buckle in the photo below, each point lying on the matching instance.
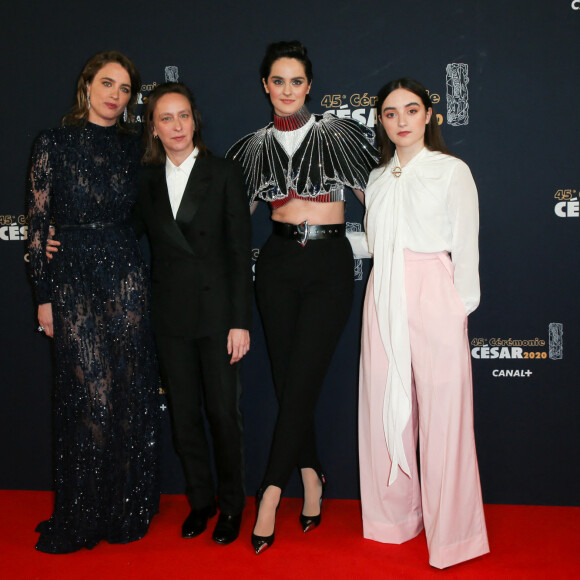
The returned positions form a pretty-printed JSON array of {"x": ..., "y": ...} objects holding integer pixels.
[{"x": 303, "y": 231}]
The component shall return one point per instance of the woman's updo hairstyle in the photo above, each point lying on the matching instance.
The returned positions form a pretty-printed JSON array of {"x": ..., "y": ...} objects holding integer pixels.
[{"x": 283, "y": 49}]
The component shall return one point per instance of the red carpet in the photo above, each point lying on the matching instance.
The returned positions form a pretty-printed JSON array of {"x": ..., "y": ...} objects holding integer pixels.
[{"x": 527, "y": 542}]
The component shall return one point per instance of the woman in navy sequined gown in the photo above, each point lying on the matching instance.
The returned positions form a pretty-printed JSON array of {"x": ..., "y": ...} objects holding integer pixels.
[{"x": 93, "y": 299}]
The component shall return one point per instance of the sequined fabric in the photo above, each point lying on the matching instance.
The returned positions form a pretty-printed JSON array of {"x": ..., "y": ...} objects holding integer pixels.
[
  {"x": 317, "y": 159},
  {"x": 106, "y": 384}
]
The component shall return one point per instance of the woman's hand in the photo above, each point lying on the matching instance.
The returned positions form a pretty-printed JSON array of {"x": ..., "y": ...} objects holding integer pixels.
[
  {"x": 238, "y": 344},
  {"x": 360, "y": 195},
  {"x": 45, "y": 318},
  {"x": 51, "y": 245}
]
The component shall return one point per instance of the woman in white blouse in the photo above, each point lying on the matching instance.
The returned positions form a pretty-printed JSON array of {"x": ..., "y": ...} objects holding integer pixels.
[{"x": 422, "y": 229}]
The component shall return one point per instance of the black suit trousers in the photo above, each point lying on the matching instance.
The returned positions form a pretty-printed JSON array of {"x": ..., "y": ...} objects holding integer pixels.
[{"x": 197, "y": 375}]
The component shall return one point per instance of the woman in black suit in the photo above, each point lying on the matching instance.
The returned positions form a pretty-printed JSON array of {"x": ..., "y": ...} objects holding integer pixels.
[{"x": 194, "y": 209}]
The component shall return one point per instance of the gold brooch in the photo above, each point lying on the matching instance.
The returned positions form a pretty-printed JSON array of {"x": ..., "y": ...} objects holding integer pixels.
[{"x": 397, "y": 171}]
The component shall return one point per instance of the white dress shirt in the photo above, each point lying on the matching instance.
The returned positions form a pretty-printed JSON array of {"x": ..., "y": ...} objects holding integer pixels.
[
  {"x": 291, "y": 140},
  {"x": 177, "y": 177},
  {"x": 431, "y": 207}
]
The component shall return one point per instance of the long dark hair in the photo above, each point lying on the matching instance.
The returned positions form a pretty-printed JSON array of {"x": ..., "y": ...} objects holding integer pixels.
[
  {"x": 433, "y": 137},
  {"x": 154, "y": 151},
  {"x": 79, "y": 112}
]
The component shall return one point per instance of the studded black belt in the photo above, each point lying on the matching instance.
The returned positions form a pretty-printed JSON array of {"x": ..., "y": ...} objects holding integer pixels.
[{"x": 304, "y": 233}]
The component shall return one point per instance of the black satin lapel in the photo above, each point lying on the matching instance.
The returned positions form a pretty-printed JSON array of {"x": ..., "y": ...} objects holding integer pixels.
[
  {"x": 195, "y": 192},
  {"x": 164, "y": 213},
  {"x": 161, "y": 198}
]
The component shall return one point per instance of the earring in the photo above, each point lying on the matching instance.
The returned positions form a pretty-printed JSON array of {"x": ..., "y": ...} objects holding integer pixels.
[
  {"x": 125, "y": 115},
  {"x": 89, "y": 100}
]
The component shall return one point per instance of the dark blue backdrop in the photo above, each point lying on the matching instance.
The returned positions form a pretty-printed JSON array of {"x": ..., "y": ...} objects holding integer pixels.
[{"x": 518, "y": 134}]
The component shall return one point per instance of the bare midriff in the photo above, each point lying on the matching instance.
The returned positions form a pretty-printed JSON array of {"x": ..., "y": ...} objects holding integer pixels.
[{"x": 297, "y": 211}]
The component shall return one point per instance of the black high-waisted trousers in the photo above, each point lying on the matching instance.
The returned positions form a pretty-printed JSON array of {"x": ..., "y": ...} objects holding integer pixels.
[{"x": 304, "y": 296}]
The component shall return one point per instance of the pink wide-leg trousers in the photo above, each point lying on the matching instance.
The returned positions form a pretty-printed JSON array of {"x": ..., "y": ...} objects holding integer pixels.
[{"x": 447, "y": 502}]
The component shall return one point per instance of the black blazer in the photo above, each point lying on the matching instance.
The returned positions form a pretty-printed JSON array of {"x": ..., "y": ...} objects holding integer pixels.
[{"x": 201, "y": 277}]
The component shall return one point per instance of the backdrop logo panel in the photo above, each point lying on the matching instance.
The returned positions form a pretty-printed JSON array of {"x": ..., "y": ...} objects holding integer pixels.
[
  {"x": 529, "y": 350},
  {"x": 567, "y": 204},
  {"x": 457, "y": 94},
  {"x": 436, "y": 99},
  {"x": 171, "y": 76},
  {"x": 362, "y": 108},
  {"x": 13, "y": 228},
  {"x": 142, "y": 100}
]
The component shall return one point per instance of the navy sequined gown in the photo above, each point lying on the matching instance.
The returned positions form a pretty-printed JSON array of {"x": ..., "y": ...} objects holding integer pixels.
[{"x": 106, "y": 385}]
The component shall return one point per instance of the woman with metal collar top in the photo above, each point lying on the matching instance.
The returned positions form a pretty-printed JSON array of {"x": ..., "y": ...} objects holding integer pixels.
[{"x": 300, "y": 164}]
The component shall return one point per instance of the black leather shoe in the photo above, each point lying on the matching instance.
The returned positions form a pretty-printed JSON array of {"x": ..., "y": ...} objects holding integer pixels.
[
  {"x": 196, "y": 522},
  {"x": 227, "y": 528}
]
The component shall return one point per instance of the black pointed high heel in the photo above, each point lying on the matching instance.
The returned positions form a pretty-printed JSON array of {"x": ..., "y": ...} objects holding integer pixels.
[
  {"x": 262, "y": 543},
  {"x": 308, "y": 523}
]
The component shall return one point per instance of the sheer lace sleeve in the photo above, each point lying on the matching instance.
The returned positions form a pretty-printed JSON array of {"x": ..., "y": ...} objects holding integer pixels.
[{"x": 39, "y": 216}]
